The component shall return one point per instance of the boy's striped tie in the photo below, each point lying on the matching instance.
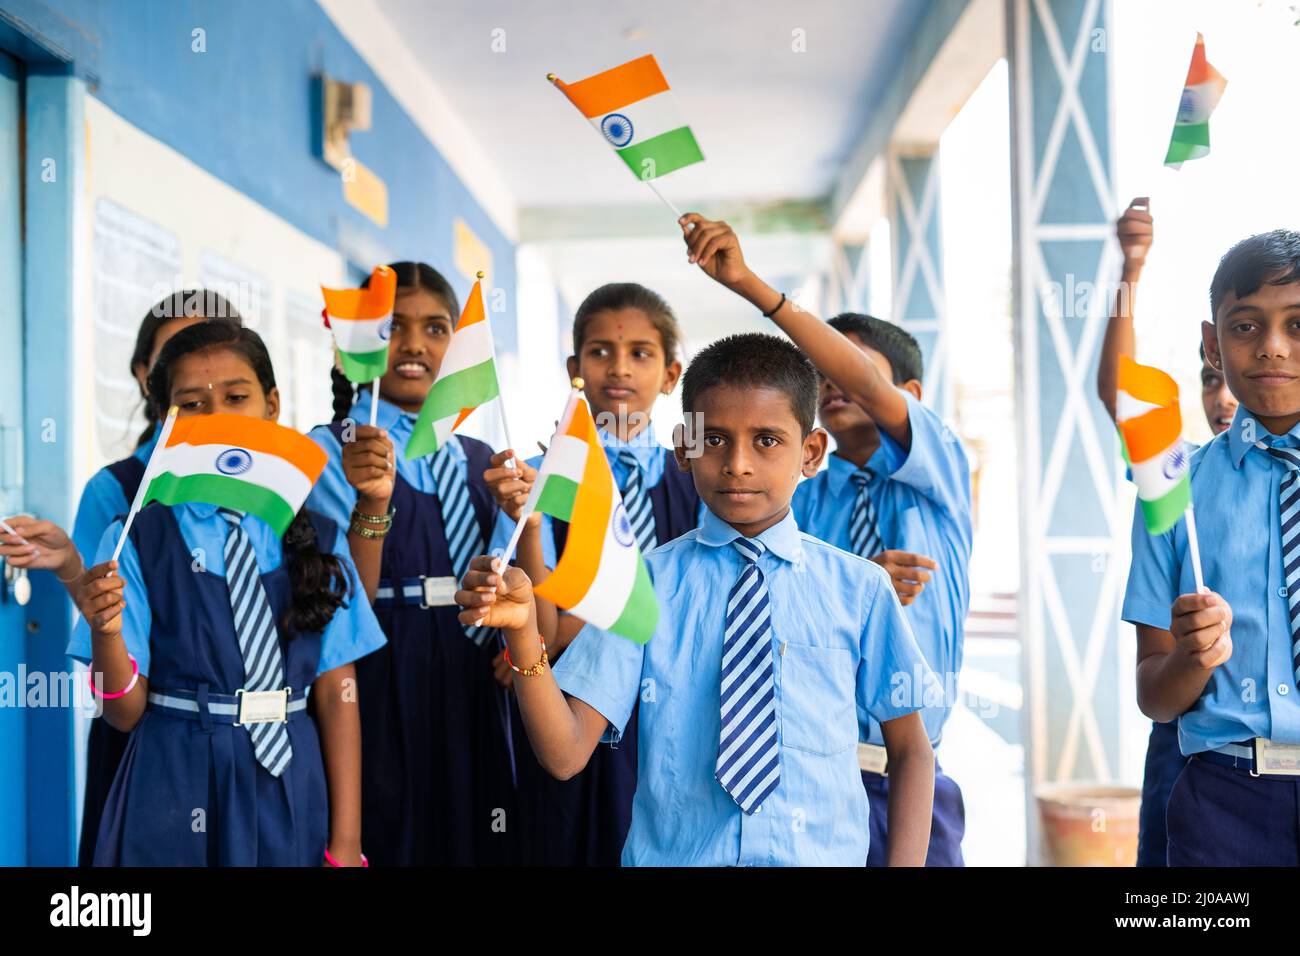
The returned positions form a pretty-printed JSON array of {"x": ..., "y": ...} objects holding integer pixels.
[
  {"x": 259, "y": 640},
  {"x": 864, "y": 531},
  {"x": 1289, "y": 518},
  {"x": 459, "y": 523},
  {"x": 637, "y": 503},
  {"x": 749, "y": 764}
]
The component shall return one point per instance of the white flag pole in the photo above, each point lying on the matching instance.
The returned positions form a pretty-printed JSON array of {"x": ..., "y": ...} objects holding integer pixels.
[
  {"x": 140, "y": 492},
  {"x": 374, "y": 402},
  {"x": 531, "y": 504},
  {"x": 1194, "y": 547}
]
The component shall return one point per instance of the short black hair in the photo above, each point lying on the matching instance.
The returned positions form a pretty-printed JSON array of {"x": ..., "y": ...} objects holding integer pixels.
[
  {"x": 755, "y": 360},
  {"x": 1271, "y": 258},
  {"x": 616, "y": 296},
  {"x": 892, "y": 341}
]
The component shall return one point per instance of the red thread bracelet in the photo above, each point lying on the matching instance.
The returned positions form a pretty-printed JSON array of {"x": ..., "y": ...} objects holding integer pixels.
[
  {"x": 536, "y": 668},
  {"x": 135, "y": 677}
]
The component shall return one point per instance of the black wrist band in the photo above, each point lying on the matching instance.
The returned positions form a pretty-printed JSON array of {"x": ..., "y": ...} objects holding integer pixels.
[{"x": 776, "y": 308}]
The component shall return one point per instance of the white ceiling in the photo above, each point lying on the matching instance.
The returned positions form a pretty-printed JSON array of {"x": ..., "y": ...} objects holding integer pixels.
[{"x": 773, "y": 123}]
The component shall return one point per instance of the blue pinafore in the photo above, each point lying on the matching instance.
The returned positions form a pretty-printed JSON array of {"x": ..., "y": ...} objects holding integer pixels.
[
  {"x": 436, "y": 770},
  {"x": 104, "y": 745},
  {"x": 189, "y": 790},
  {"x": 583, "y": 821}
]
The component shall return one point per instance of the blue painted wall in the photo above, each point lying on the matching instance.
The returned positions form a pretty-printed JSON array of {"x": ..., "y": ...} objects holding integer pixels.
[{"x": 243, "y": 111}]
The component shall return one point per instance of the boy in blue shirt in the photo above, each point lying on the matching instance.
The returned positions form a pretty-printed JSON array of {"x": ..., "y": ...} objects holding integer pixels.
[
  {"x": 896, "y": 491},
  {"x": 768, "y": 644},
  {"x": 1222, "y": 662},
  {"x": 1135, "y": 231}
]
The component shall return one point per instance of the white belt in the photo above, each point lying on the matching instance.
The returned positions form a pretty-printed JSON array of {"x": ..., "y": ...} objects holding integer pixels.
[{"x": 873, "y": 759}]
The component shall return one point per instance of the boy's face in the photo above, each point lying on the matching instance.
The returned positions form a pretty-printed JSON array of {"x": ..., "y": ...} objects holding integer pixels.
[
  {"x": 752, "y": 453},
  {"x": 1218, "y": 402},
  {"x": 1255, "y": 341},
  {"x": 838, "y": 415},
  {"x": 422, "y": 325}
]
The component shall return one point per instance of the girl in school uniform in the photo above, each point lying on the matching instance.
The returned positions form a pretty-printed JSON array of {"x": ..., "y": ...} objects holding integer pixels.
[
  {"x": 164, "y": 641},
  {"x": 108, "y": 495},
  {"x": 625, "y": 345},
  {"x": 436, "y": 770}
]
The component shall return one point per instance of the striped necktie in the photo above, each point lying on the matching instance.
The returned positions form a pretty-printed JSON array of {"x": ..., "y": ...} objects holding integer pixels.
[
  {"x": 637, "y": 503},
  {"x": 459, "y": 523},
  {"x": 864, "y": 530},
  {"x": 749, "y": 765},
  {"x": 1289, "y": 518},
  {"x": 259, "y": 641}
]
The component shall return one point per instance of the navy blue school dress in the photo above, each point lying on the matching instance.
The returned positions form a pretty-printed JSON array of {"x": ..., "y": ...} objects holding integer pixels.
[
  {"x": 584, "y": 821},
  {"x": 189, "y": 790},
  {"x": 437, "y": 783},
  {"x": 1163, "y": 765},
  {"x": 107, "y": 495}
]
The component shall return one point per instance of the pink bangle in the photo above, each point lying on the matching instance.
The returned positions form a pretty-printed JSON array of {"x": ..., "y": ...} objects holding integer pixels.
[
  {"x": 333, "y": 862},
  {"x": 135, "y": 677}
]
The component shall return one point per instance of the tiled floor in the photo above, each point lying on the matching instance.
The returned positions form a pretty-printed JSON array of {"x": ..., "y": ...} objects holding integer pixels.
[{"x": 981, "y": 750}]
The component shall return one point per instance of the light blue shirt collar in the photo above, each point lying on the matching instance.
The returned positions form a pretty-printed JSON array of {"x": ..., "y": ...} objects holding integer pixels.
[
  {"x": 146, "y": 450},
  {"x": 1238, "y": 446},
  {"x": 644, "y": 447},
  {"x": 397, "y": 423},
  {"x": 782, "y": 539},
  {"x": 839, "y": 470}
]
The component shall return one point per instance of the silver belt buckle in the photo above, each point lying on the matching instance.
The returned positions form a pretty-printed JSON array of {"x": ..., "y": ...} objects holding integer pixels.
[
  {"x": 1274, "y": 758},
  {"x": 263, "y": 706},
  {"x": 437, "y": 591}
]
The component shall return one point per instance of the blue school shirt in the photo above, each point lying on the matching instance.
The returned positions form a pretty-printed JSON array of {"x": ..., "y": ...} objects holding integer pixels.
[
  {"x": 102, "y": 500},
  {"x": 649, "y": 455},
  {"x": 839, "y": 641},
  {"x": 923, "y": 505},
  {"x": 333, "y": 497},
  {"x": 352, "y": 632},
  {"x": 1235, "y": 494}
]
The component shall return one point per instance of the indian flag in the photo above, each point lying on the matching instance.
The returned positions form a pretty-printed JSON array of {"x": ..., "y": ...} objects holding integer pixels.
[
  {"x": 1201, "y": 93},
  {"x": 1151, "y": 426},
  {"x": 234, "y": 461},
  {"x": 466, "y": 379},
  {"x": 601, "y": 576},
  {"x": 362, "y": 323},
  {"x": 632, "y": 107}
]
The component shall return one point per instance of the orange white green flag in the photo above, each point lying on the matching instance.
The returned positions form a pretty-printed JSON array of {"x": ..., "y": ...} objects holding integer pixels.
[
  {"x": 1201, "y": 93},
  {"x": 601, "y": 577},
  {"x": 466, "y": 379},
  {"x": 1151, "y": 426},
  {"x": 362, "y": 323},
  {"x": 633, "y": 109},
  {"x": 233, "y": 461}
]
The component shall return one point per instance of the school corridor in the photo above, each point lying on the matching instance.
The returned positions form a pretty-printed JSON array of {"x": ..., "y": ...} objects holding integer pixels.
[{"x": 954, "y": 166}]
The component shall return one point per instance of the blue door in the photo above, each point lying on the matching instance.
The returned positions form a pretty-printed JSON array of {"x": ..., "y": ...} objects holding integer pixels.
[{"x": 13, "y": 623}]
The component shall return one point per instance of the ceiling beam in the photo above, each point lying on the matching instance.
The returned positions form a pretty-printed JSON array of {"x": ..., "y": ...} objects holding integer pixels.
[{"x": 650, "y": 220}]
